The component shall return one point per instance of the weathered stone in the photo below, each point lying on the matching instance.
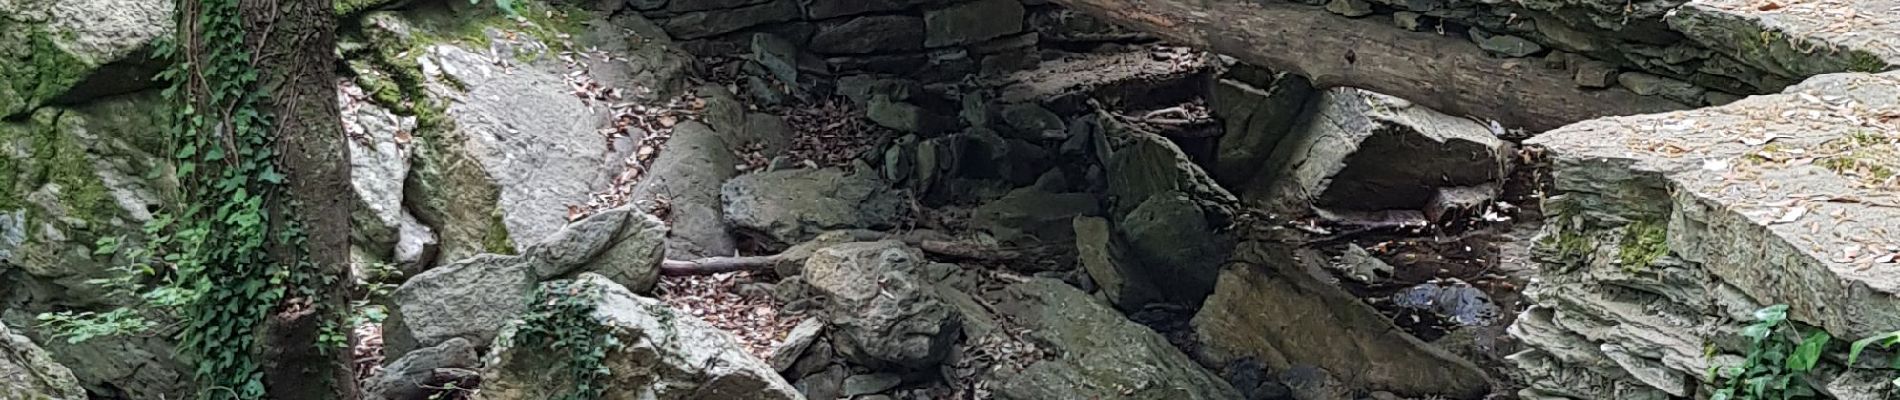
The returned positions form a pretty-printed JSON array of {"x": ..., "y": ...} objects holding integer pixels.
[
  {"x": 883, "y": 313},
  {"x": 1595, "y": 74},
  {"x": 905, "y": 117},
  {"x": 632, "y": 255},
  {"x": 76, "y": 50},
  {"x": 469, "y": 299},
  {"x": 1736, "y": 29},
  {"x": 1652, "y": 85},
  {"x": 1177, "y": 246},
  {"x": 378, "y": 166},
  {"x": 1350, "y": 8},
  {"x": 869, "y": 34},
  {"x": 1360, "y": 265},
  {"x": 1254, "y": 119},
  {"x": 1031, "y": 121},
  {"x": 662, "y": 354},
  {"x": 1368, "y": 152},
  {"x": 410, "y": 377},
  {"x": 1453, "y": 299},
  {"x": 1505, "y": 45},
  {"x": 972, "y": 22},
  {"x": 860, "y": 88},
  {"x": 1061, "y": 24},
  {"x": 776, "y": 54},
  {"x": 1103, "y": 257},
  {"x": 1658, "y": 259},
  {"x": 29, "y": 373},
  {"x": 1032, "y": 214},
  {"x": 859, "y": 385},
  {"x": 1271, "y": 307},
  {"x": 700, "y": 24},
  {"x": 1408, "y": 20},
  {"x": 1098, "y": 353},
  {"x": 796, "y": 342},
  {"x": 688, "y": 174},
  {"x": 826, "y": 384},
  {"x": 791, "y": 206},
  {"x": 1306, "y": 382}
]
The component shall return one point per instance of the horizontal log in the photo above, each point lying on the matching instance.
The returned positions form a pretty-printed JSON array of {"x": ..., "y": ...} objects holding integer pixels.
[{"x": 1448, "y": 74}]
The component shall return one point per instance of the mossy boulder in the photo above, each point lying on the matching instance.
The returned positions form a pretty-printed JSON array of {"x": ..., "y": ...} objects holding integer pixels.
[{"x": 58, "y": 49}]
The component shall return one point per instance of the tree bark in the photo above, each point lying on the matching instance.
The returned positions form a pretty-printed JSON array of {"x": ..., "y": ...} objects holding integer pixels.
[
  {"x": 295, "y": 58},
  {"x": 1447, "y": 74}
]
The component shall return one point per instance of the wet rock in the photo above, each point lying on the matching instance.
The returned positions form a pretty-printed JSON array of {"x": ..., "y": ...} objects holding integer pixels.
[
  {"x": 687, "y": 175},
  {"x": 1505, "y": 45},
  {"x": 1350, "y": 8},
  {"x": 972, "y": 22},
  {"x": 28, "y": 372},
  {"x": 663, "y": 354},
  {"x": 1097, "y": 352},
  {"x": 1031, "y": 121},
  {"x": 791, "y": 206},
  {"x": 62, "y": 50},
  {"x": 1254, "y": 119},
  {"x": 410, "y": 377},
  {"x": 1595, "y": 74},
  {"x": 1312, "y": 169},
  {"x": 1652, "y": 85},
  {"x": 858, "y": 385},
  {"x": 869, "y": 34},
  {"x": 1268, "y": 306},
  {"x": 796, "y": 342},
  {"x": 700, "y": 24},
  {"x": 1453, "y": 298},
  {"x": 1032, "y": 214},
  {"x": 882, "y": 313}
]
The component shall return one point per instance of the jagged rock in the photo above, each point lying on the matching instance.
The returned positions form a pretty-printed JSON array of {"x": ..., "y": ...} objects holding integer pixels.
[
  {"x": 1271, "y": 306},
  {"x": 1033, "y": 214},
  {"x": 687, "y": 176},
  {"x": 701, "y": 24},
  {"x": 1169, "y": 212},
  {"x": 777, "y": 54},
  {"x": 1652, "y": 85},
  {"x": 1362, "y": 151},
  {"x": 972, "y": 22},
  {"x": 378, "y": 166},
  {"x": 1656, "y": 261},
  {"x": 882, "y": 313},
  {"x": 1097, "y": 353},
  {"x": 28, "y": 372},
  {"x": 860, "y": 88},
  {"x": 1350, "y": 8},
  {"x": 1031, "y": 121},
  {"x": 1735, "y": 29},
  {"x": 662, "y": 354},
  {"x": 410, "y": 377},
  {"x": 1254, "y": 118},
  {"x": 796, "y": 342},
  {"x": 890, "y": 112},
  {"x": 1104, "y": 258},
  {"x": 76, "y": 49},
  {"x": 827, "y": 384},
  {"x": 791, "y": 206},
  {"x": 869, "y": 34}
]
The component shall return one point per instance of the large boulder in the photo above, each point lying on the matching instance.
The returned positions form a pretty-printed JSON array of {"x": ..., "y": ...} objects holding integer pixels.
[
  {"x": 1097, "y": 352},
  {"x": 472, "y": 298},
  {"x": 687, "y": 177},
  {"x": 1033, "y": 214},
  {"x": 379, "y": 164},
  {"x": 1256, "y": 108},
  {"x": 655, "y": 353},
  {"x": 1172, "y": 215},
  {"x": 791, "y": 206},
  {"x": 76, "y": 49},
  {"x": 882, "y": 312},
  {"x": 1362, "y": 151},
  {"x": 1656, "y": 258},
  {"x": 1273, "y": 306},
  {"x": 28, "y": 372}
]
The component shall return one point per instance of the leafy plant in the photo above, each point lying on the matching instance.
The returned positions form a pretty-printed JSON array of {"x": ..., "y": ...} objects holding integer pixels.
[
  {"x": 561, "y": 320},
  {"x": 1885, "y": 340},
  {"x": 1779, "y": 358}
]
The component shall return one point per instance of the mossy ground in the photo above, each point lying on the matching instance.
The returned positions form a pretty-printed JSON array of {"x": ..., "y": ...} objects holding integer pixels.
[{"x": 1870, "y": 157}]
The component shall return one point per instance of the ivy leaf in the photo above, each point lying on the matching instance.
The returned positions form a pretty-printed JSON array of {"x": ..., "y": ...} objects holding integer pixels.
[
  {"x": 271, "y": 176},
  {"x": 1772, "y": 314},
  {"x": 1853, "y": 351},
  {"x": 1808, "y": 352}
]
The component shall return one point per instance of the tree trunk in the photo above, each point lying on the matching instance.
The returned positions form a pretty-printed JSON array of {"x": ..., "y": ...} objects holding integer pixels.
[
  {"x": 297, "y": 62},
  {"x": 1445, "y": 73}
]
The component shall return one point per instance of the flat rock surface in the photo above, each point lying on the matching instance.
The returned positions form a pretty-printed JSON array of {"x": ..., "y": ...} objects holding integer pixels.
[{"x": 1869, "y": 26}]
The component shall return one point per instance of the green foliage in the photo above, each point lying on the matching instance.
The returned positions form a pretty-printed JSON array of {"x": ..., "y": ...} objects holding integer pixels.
[
  {"x": 1885, "y": 340},
  {"x": 561, "y": 320},
  {"x": 1779, "y": 358}
]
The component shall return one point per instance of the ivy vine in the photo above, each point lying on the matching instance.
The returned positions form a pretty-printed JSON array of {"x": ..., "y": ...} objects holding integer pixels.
[{"x": 560, "y": 319}]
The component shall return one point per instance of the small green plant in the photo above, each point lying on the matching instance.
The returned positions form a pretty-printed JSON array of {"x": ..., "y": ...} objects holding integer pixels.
[
  {"x": 1885, "y": 340},
  {"x": 561, "y": 321},
  {"x": 1643, "y": 242},
  {"x": 1779, "y": 358}
]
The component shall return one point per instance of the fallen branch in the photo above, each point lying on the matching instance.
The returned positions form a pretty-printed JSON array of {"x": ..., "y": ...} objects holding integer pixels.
[{"x": 947, "y": 249}]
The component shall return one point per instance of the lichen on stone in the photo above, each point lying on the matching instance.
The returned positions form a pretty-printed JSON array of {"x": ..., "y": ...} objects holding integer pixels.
[{"x": 1643, "y": 242}]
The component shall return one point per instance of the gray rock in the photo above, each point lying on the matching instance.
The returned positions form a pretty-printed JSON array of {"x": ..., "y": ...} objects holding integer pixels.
[
  {"x": 1595, "y": 74},
  {"x": 796, "y": 342},
  {"x": 776, "y": 54},
  {"x": 1031, "y": 214},
  {"x": 1408, "y": 20},
  {"x": 1362, "y": 151},
  {"x": 51, "y": 49},
  {"x": 28, "y": 372},
  {"x": 687, "y": 176},
  {"x": 1505, "y": 45},
  {"x": 1652, "y": 85},
  {"x": 825, "y": 9},
  {"x": 1255, "y": 119},
  {"x": 416, "y": 245},
  {"x": 700, "y": 24},
  {"x": 632, "y": 256},
  {"x": 1031, "y": 121},
  {"x": 378, "y": 166},
  {"x": 791, "y": 206},
  {"x": 1312, "y": 383},
  {"x": 1715, "y": 98},
  {"x": 883, "y": 314},
  {"x": 828, "y": 384},
  {"x": 1061, "y": 24},
  {"x": 671, "y": 354},
  {"x": 1098, "y": 353},
  {"x": 859, "y": 385},
  {"x": 646, "y": 5},
  {"x": 869, "y": 34},
  {"x": 1453, "y": 298},
  {"x": 860, "y": 88},
  {"x": 469, "y": 299},
  {"x": 1350, "y": 8},
  {"x": 1360, "y": 265},
  {"x": 972, "y": 22},
  {"x": 1269, "y": 306},
  {"x": 683, "y": 6},
  {"x": 1104, "y": 258},
  {"x": 410, "y": 377},
  {"x": 1178, "y": 247},
  {"x": 891, "y": 113}
]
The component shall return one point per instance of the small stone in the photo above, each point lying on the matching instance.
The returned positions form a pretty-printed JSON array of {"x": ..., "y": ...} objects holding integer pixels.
[
  {"x": 1350, "y": 8},
  {"x": 764, "y": 92},
  {"x": 871, "y": 383},
  {"x": 1652, "y": 85},
  {"x": 1032, "y": 121},
  {"x": 1561, "y": 60},
  {"x": 1362, "y": 266},
  {"x": 972, "y": 22},
  {"x": 1505, "y": 45},
  {"x": 1408, "y": 20},
  {"x": 796, "y": 342},
  {"x": 1595, "y": 74}
]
